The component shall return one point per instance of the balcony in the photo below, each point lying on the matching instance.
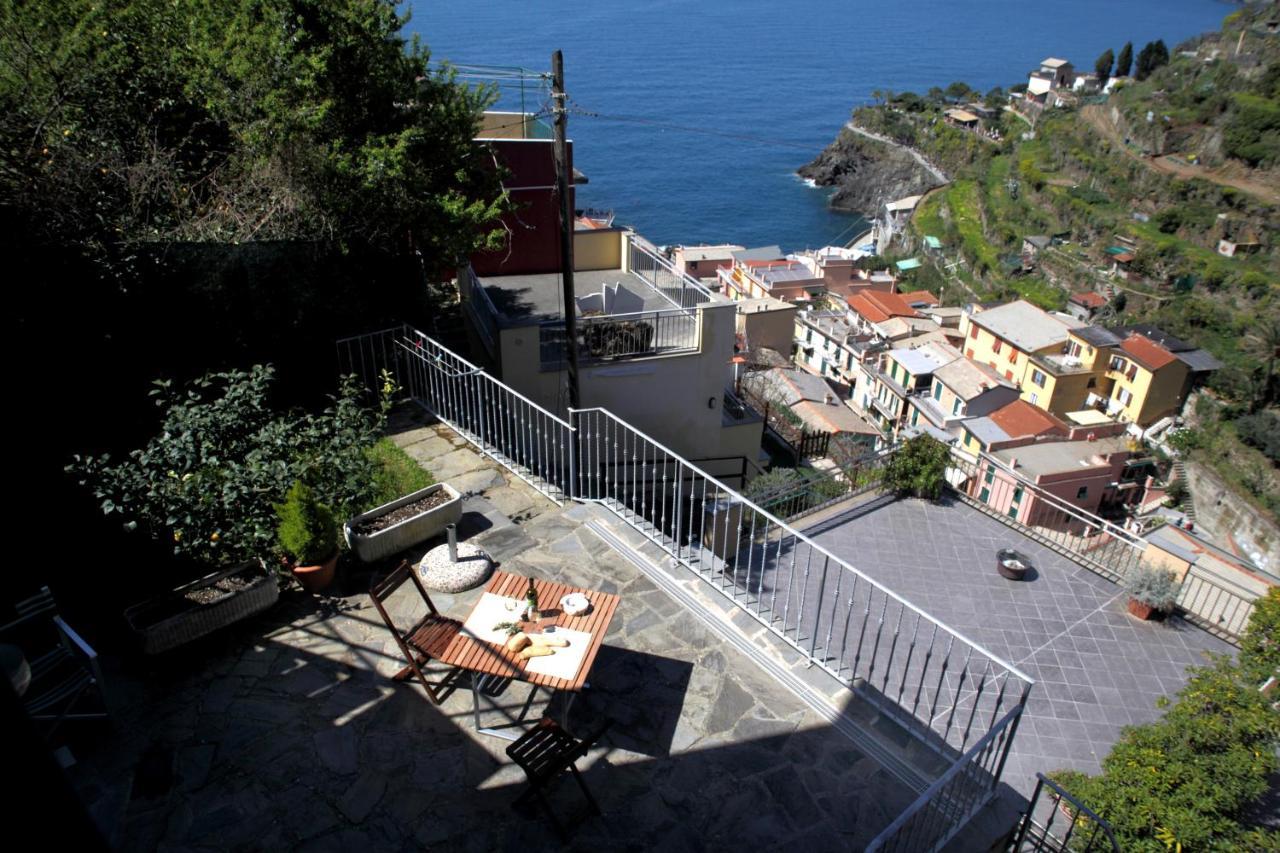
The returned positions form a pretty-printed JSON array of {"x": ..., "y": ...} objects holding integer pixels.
[{"x": 634, "y": 306}]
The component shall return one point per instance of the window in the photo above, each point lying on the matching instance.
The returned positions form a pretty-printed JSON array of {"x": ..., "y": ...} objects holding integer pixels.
[
  {"x": 1093, "y": 382},
  {"x": 893, "y": 370},
  {"x": 1117, "y": 363},
  {"x": 1082, "y": 493},
  {"x": 968, "y": 353},
  {"x": 1013, "y": 355},
  {"x": 1038, "y": 378},
  {"x": 915, "y": 416},
  {"x": 1073, "y": 349},
  {"x": 1124, "y": 397},
  {"x": 991, "y": 475},
  {"x": 1034, "y": 399},
  {"x": 808, "y": 336},
  {"x": 955, "y": 406},
  {"x": 986, "y": 493},
  {"x": 973, "y": 332},
  {"x": 996, "y": 346},
  {"x": 1008, "y": 374},
  {"x": 1133, "y": 372},
  {"x": 937, "y": 390}
]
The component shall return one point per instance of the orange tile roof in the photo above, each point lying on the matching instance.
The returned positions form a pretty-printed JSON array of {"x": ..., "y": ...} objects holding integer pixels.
[
  {"x": 1147, "y": 353},
  {"x": 877, "y": 307},
  {"x": 920, "y": 296},
  {"x": 1021, "y": 419},
  {"x": 1089, "y": 299}
]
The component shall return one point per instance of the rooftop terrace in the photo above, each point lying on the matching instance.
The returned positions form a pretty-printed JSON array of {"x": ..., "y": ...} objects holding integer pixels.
[{"x": 287, "y": 732}]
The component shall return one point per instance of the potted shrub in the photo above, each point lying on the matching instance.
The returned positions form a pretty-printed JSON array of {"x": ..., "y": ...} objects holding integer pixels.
[
  {"x": 309, "y": 536},
  {"x": 918, "y": 468},
  {"x": 404, "y": 522},
  {"x": 206, "y": 483},
  {"x": 1152, "y": 591}
]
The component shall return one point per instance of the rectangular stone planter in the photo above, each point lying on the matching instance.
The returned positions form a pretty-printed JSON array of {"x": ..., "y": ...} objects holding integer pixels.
[
  {"x": 404, "y": 535},
  {"x": 170, "y": 620}
]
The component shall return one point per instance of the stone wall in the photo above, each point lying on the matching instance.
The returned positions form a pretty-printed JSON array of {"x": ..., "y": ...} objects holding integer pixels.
[{"x": 1221, "y": 513}]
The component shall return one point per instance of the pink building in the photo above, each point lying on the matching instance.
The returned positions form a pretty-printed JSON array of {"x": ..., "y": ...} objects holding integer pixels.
[{"x": 1096, "y": 476}]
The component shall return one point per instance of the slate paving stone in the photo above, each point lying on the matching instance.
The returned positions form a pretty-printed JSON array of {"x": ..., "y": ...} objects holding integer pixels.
[
  {"x": 309, "y": 746},
  {"x": 1091, "y": 660}
]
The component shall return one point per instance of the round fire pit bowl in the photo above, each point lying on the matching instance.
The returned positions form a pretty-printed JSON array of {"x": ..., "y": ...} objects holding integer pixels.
[{"x": 1012, "y": 565}]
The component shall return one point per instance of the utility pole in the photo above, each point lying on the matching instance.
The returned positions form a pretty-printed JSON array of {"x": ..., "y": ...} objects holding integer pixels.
[{"x": 563, "y": 183}]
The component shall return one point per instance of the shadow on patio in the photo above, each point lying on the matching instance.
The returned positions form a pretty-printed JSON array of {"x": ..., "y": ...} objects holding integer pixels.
[{"x": 286, "y": 732}]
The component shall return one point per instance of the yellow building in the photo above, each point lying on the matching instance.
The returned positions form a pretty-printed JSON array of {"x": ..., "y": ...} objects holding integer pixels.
[
  {"x": 1020, "y": 342},
  {"x": 1137, "y": 374}
]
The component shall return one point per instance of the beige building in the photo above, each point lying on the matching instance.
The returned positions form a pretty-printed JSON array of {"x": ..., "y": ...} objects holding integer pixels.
[{"x": 656, "y": 348}]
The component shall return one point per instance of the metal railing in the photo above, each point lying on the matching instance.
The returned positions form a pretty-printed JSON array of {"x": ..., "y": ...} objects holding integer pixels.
[
  {"x": 1092, "y": 541},
  {"x": 1215, "y": 604},
  {"x": 617, "y": 336},
  {"x": 819, "y": 490},
  {"x": 1059, "y": 822},
  {"x": 957, "y": 795},
  {"x": 503, "y": 424},
  {"x": 645, "y": 263},
  {"x": 941, "y": 686},
  {"x": 476, "y": 302}
]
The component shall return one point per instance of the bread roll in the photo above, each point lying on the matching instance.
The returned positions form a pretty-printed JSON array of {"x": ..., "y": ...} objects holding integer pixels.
[
  {"x": 518, "y": 642},
  {"x": 536, "y": 652}
]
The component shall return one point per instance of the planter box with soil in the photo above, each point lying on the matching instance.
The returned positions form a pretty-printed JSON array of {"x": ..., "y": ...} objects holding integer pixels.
[
  {"x": 403, "y": 523},
  {"x": 202, "y": 606}
]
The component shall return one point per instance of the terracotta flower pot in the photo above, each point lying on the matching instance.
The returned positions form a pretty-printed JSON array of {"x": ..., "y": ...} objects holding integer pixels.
[
  {"x": 318, "y": 577},
  {"x": 1142, "y": 611}
]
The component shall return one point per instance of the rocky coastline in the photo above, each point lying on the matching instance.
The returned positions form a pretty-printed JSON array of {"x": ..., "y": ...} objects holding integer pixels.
[{"x": 867, "y": 173}]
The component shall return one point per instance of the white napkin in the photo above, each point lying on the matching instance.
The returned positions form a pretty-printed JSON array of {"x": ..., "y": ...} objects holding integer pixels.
[
  {"x": 567, "y": 660},
  {"x": 490, "y": 611}
]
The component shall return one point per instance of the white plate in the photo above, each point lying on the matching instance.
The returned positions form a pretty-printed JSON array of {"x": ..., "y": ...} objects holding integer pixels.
[{"x": 575, "y": 603}]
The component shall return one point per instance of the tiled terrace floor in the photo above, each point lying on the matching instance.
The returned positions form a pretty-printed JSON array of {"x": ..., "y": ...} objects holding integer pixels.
[
  {"x": 1097, "y": 668},
  {"x": 285, "y": 733}
]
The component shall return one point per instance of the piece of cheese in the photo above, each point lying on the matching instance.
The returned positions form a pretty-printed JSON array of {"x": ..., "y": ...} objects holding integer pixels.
[
  {"x": 537, "y": 652},
  {"x": 545, "y": 640}
]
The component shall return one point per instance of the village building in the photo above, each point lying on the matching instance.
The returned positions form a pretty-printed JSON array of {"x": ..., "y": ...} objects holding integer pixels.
[
  {"x": 1083, "y": 306},
  {"x": 703, "y": 261}
]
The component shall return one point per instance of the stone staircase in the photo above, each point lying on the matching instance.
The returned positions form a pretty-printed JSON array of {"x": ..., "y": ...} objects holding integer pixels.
[{"x": 1179, "y": 472}]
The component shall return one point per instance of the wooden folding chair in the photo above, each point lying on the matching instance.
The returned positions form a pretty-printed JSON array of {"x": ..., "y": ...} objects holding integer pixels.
[
  {"x": 546, "y": 751},
  {"x": 426, "y": 639},
  {"x": 66, "y": 680}
]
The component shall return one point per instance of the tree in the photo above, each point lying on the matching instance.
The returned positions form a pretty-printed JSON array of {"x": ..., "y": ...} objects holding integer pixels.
[
  {"x": 207, "y": 481},
  {"x": 1103, "y": 65},
  {"x": 1124, "y": 62},
  {"x": 959, "y": 91},
  {"x": 135, "y": 122},
  {"x": 1189, "y": 780},
  {"x": 995, "y": 98},
  {"x": 918, "y": 467},
  {"x": 1153, "y": 55}
]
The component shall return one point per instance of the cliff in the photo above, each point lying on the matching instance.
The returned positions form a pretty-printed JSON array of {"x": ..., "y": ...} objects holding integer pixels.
[{"x": 867, "y": 173}]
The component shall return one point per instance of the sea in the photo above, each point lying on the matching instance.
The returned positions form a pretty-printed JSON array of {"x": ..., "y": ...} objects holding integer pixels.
[{"x": 689, "y": 119}]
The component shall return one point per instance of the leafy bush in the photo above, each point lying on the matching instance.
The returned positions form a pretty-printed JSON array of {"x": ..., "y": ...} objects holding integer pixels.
[
  {"x": 1252, "y": 131},
  {"x": 1151, "y": 586},
  {"x": 1260, "y": 648},
  {"x": 207, "y": 481},
  {"x": 307, "y": 530},
  {"x": 918, "y": 468},
  {"x": 1189, "y": 780},
  {"x": 1261, "y": 430}
]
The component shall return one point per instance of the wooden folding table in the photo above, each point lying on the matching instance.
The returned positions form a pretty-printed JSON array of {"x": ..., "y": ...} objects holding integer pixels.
[{"x": 491, "y": 663}]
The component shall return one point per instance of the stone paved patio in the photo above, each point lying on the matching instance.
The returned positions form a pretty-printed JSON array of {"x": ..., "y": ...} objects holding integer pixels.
[
  {"x": 1097, "y": 668},
  {"x": 285, "y": 733}
]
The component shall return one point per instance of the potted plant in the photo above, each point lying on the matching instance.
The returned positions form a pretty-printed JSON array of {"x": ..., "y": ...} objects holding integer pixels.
[
  {"x": 404, "y": 522},
  {"x": 309, "y": 535},
  {"x": 1152, "y": 591},
  {"x": 206, "y": 483}
]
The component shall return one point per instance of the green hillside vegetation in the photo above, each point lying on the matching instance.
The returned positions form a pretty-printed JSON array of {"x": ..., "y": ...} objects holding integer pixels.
[{"x": 1098, "y": 174}]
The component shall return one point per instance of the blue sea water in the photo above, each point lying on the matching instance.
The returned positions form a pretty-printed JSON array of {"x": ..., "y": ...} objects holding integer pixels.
[{"x": 705, "y": 108}]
